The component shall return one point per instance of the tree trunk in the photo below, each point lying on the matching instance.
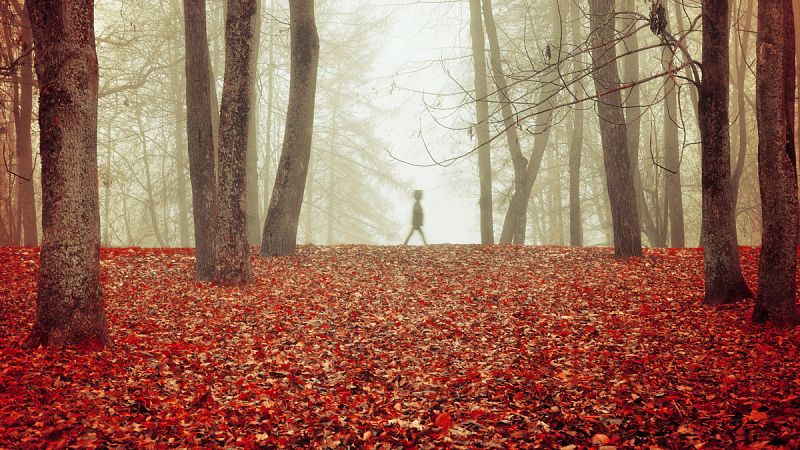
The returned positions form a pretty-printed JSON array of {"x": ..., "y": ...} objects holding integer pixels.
[
  {"x": 633, "y": 112},
  {"x": 233, "y": 251},
  {"x": 775, "y": 90},
  {"x": 724, "y": 282},
  {"x": 151, "y": 202},
  {"x": 69, "y": 306},
  {"x": 266, "y": 177},
  {"x": 517, "y": 206},
  {"x": 280, "y": 228},
  {"x": 619, "y": 177},
  {"x": 25, "y": 195},
  {"x": 673, "y": 194},
  {"x": 482, "y": 120},
  {"x": 575, "y": 148},
  {"x": 514, "y": 224},
  {"x": 575, "y": 139},
  {"x": 200, "y": 136},
  {"x": 741, "y": 76},
  {"x": 178, "y": 86},
  {"x": 253, "y": 228}
]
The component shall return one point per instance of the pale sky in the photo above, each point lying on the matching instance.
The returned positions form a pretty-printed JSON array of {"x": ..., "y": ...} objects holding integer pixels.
[{"x": 418, "y": 37}]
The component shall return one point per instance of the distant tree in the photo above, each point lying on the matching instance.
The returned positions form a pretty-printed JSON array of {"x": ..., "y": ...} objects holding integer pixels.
[
  {"x": 253, "y": 224},
  {"x": 575, "y": 139},
  {"x": 69, "y": 306},
  {"x": 233, "y": 251},
  {"x": 22, "y": 119},
  {"x": 723, "y": 274},
  {"x": 280, "y": 228},
  {"x": 777, "y": 173},
  {"x": 482, "y": 120},
  {"x": 200, "y": 137},
  {"x": 619, "y": 176}
]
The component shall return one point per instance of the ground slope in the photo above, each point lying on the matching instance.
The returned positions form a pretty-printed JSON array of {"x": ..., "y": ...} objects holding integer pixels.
[{"x": 443, "y": 346}]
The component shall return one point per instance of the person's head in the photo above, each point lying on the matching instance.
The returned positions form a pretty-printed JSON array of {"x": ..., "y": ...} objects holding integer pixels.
[{"x": 418, "y": 195}]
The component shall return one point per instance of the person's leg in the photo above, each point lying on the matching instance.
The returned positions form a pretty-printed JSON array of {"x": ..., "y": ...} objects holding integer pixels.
[
  {"x": 423, "y": 236},
  {"x": 409, "y": 236}
]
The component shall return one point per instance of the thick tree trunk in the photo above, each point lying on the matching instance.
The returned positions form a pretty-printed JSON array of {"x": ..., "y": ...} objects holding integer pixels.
[
  {"x": 482, "y": 120},
  {"x": 624, "y": 218},
  {"x": 673, "y": 193},
  {"x": 280, "y": 228},
  {"x": 253, "y": 228},
  {"x": 233, "y": 251},
  {"x": 724, "y": 282},
  {"x": 775, "y": 90},
  {"x": 200, "y": 136},
  {"x": 25, "y": 195},
  {"x": 69, "y": 306}
]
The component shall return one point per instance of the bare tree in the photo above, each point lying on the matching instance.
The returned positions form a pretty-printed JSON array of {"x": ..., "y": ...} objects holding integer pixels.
[
  {"x": 724, "y": 281},
  {"x": 627, "y": 238},
  {"x": 777, "y": 172},
  {"x": 69, "y": 306},
  {"x": 253, "y": 228},
  {"x": 233, "y": 251},
  {"x": 482, "y": 120},
  {"x": 280, "y": 228}
]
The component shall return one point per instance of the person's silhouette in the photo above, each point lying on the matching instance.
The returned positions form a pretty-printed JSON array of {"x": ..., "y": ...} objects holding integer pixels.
[{"x": 416, "y": 218}]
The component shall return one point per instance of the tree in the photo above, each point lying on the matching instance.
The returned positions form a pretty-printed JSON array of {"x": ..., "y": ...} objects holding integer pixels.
[
  {"x": 280, "y": 228},
  {"x": 619, "y": 177},
  {"x": 723, "y": 274},
  {"x": 482, "y": 120},
  {"x": 575, "y": 149},
  {"x": 233, "y": 251},
  {"x": 777, "y": 173},
  {"x": 22, "y": 120},
  {"x": 200, "y": 138},
  {"x": 253, "y": 229},
  {"x": 673, "y": 193},
  {"x": 69, "y": 306}
]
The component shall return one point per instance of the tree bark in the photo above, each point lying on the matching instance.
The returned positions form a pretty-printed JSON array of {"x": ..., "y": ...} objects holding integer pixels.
[
  {"x": 280, "y": 228},
  {"x": 482, "y": 120},
  {"x": 25, "y": 194},
  {"x": 777, "y": 173},
  {"x": 69, "y": 306},
  {"x": 619, "y": 177},
  {"x": 723, "y": 274},
  {"x": 253, "y": 228},
  {"x": 233, "y": 251},
  {"x": 199, "y": 134}
]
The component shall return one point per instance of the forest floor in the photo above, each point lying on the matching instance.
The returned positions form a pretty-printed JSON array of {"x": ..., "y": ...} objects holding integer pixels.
[{"x": 405, "y": 347}]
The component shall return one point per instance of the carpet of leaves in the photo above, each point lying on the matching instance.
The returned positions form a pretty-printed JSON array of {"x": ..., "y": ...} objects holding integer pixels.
[{"x": 404, "y": 347}]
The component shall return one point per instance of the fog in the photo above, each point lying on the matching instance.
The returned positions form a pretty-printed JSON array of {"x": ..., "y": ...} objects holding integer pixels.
[{"x": 395, "y": 112}]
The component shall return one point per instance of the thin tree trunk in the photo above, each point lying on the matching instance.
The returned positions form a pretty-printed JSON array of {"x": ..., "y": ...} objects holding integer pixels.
[
  {"x": 199, "y": 131},
  {"x": 624, "y": 218},
  {"x": 575, "y": 150},
  {"x": 517, "y": 206},
  {"x": 741, "y": 77},
  {"x": 25, "y": 194},
  {"x": 151, "y": 202},
  {"x": 673, "y": 193},
  {"x": 69, "y": 305},
  {"x": 777, "y": 172},
  {"x": 233, "y": 251},
  {"x": 482, "y": 120},
  {"x": 723, "y": 274},
  {"x": 280, "y": 228},
  {"x": 267, "y": 178},
  {"x": 178, "y": 86},
  {"x": 633, "y": 111},
  {"x": 253, "y": 228}
]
